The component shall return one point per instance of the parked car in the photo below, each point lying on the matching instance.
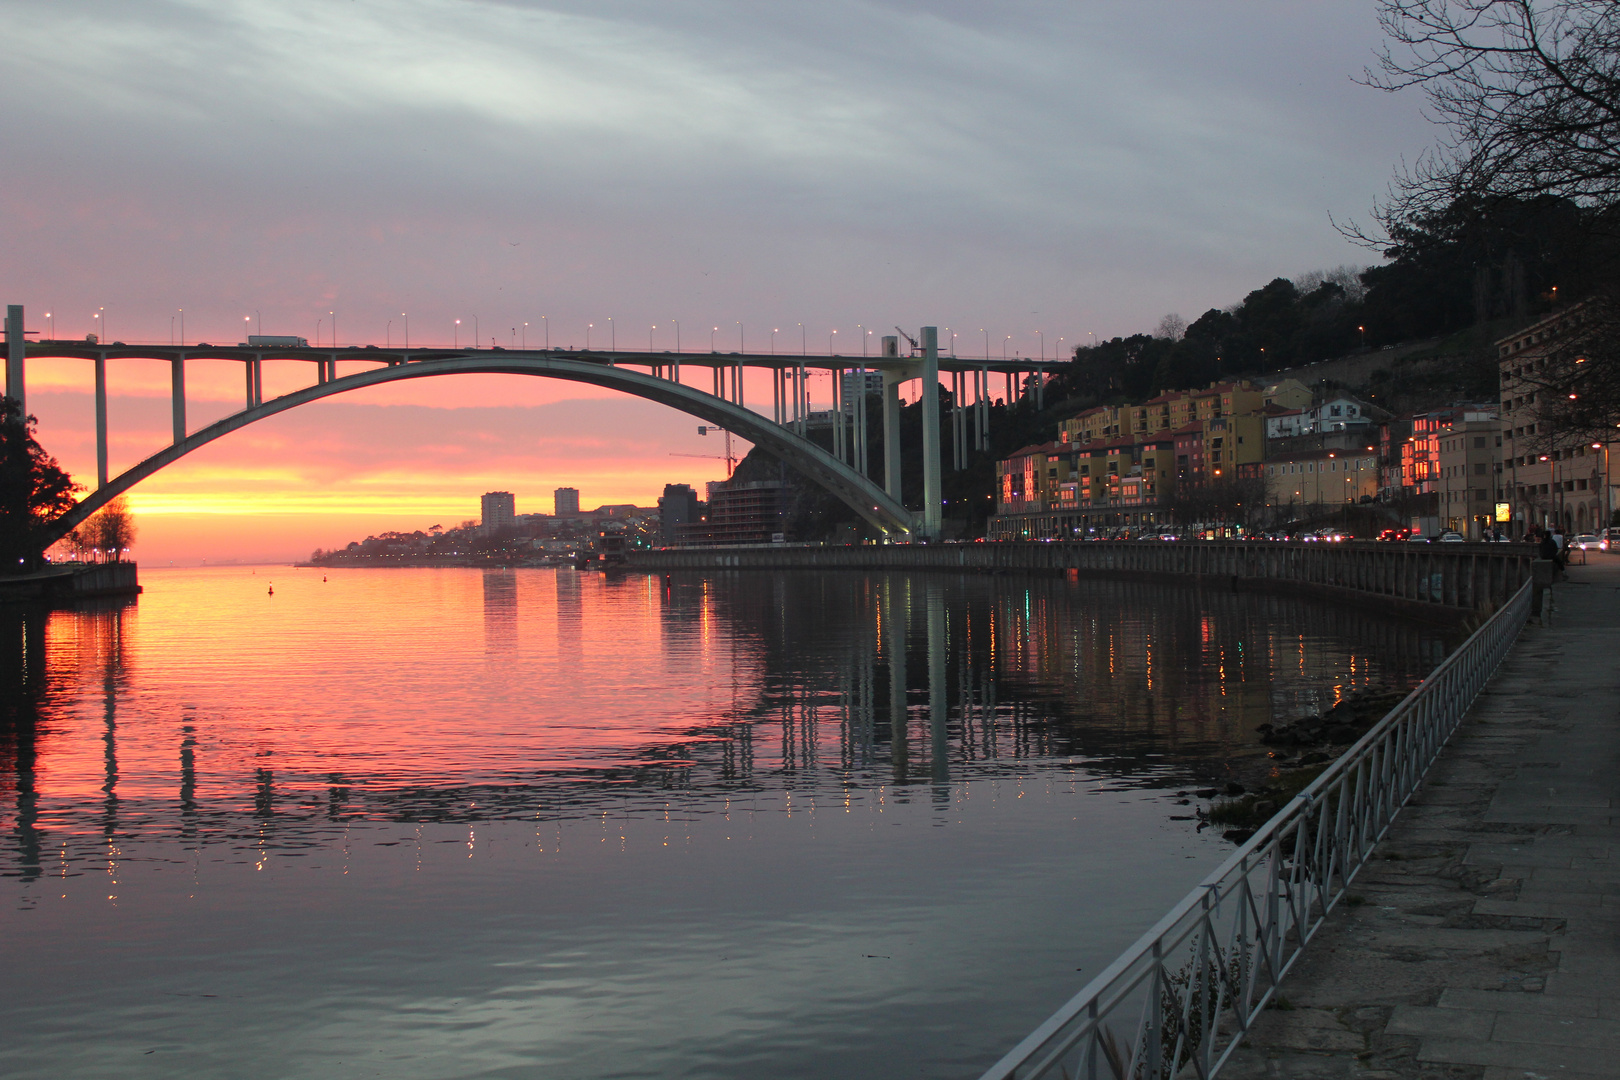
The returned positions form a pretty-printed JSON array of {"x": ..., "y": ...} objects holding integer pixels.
[{"x": 1449, "y": 537}]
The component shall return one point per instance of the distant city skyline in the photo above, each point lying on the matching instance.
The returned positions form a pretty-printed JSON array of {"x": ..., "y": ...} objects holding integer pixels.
[{"x": 1030, "y": 176}]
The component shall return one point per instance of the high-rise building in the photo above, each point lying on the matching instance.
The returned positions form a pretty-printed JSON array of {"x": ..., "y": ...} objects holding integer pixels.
[
  {"x": 677, "y": 508},
  {"x": 499, "y": 510},
  {"x": 857, "y": 382},
  {"x": 566, "y": 502}
]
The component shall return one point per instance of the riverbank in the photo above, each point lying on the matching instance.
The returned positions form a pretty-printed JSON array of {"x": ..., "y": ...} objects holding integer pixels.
[
  {"x": 1483, "y": 940},
  {"x": 64, "y": 584},
  {"x": 1419, "y": 580}
]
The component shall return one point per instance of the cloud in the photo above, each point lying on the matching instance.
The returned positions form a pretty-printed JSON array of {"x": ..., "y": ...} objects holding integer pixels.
[{"x": 1075, "y": 169}]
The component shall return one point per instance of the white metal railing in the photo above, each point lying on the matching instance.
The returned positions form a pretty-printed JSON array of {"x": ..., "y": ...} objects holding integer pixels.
[{"x": 1179, "y": 1001}]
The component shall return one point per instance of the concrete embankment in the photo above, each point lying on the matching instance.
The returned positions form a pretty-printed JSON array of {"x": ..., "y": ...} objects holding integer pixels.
[
  {"x": 1467, "y": 577},
  {"x": 65, "y": 584},
  {"x": 1483, "y": 940}
]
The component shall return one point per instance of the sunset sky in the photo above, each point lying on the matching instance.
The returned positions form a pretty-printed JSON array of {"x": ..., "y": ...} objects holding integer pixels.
[{"x": 1077, "y": 169}]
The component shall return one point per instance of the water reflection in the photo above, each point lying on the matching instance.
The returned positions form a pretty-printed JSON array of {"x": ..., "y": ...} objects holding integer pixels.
[
  {"x": 789, "y": 825},
  {"x": 800, "y": 682}
]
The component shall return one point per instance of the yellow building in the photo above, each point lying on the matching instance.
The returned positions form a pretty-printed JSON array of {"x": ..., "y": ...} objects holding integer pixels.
[{"x": 1321, "y": 478}]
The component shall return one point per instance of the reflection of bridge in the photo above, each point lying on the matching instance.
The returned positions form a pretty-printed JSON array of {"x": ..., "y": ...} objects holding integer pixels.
[{"x": 656, "y": 376}]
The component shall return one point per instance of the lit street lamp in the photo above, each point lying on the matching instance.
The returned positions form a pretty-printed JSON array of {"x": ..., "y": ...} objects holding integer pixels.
[
  {"x": 525, "y": 336},
  {"x": 773, "y": 341},
  {"x": 588, "y": 327},
  {"x": 456, "y": 339},
  {"x": 829, "y": 343},
  {"x": 547, "y": 321},
  {"x": 613, "y": 336}
]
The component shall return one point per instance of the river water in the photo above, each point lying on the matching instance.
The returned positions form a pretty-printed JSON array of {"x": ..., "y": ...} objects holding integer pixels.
[{"x": 268, "y": 822}]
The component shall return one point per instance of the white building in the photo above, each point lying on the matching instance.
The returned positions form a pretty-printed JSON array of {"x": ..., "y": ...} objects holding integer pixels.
[{"x": 1339, "y": 413}]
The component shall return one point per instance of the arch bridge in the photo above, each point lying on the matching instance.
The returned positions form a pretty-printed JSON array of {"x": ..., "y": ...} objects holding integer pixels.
[{"x": 655, "y": 376}]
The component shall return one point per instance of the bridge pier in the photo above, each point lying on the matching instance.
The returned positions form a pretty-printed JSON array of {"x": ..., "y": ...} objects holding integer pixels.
[
  {"x": 933, "y": 518},
  {"x": 891, "y": 430},
  {"x": 177, "y": 397},
  {"x": 15, "y": 352},
  {"x": 101, "y": 421}
]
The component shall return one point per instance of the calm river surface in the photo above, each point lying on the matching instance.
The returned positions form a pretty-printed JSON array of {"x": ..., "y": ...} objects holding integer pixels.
[{"x": 544, "y": 824}]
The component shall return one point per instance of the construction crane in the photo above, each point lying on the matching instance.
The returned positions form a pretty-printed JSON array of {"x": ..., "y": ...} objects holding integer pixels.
[{"x": 728, "y": 457}]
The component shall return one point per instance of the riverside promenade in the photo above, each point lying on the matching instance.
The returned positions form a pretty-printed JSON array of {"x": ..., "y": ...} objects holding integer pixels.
[{"x": 1483, "y": 940}]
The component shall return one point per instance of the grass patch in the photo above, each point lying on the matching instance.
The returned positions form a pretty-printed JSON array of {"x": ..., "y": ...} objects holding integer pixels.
[{"x": 1254, "y": 809}]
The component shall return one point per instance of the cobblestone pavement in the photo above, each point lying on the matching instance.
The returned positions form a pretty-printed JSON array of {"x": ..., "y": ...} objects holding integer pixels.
[{"x": 1483, "y": 940}]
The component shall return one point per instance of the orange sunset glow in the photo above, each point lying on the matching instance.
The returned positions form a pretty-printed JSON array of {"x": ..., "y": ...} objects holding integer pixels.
[{"x": 399, "y": 457}]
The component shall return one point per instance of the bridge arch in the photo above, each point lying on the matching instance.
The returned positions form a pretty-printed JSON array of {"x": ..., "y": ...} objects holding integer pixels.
[{"x": 858, "y": 492}]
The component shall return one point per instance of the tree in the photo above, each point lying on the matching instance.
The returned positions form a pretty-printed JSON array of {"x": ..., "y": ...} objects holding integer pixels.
[
  {"x": 1528, "y": 92},
  {"x": 110, "y": 530},
  {"x": 33, "y": 488}
]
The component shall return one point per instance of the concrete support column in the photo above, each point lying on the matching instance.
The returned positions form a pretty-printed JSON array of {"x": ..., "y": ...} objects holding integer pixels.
[
  {"x": 891, "y": 435},
  {"x": 101, "y": 421},
  {"x": 177, "y": 397},
  {"x": 16, "y": 352},
  {"x": 933, "y": 488},
  {"x": 838, "y": 415},
  {"x": 861, "y": 464}
]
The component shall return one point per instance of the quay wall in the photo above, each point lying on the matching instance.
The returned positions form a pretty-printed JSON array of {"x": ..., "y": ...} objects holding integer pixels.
[
  {"x": 65, "y": 584},
  {"x": 1443, "y": 578}
]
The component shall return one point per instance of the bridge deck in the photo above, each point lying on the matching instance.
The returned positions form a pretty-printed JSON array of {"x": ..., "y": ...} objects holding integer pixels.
[{"x": 377, "y": 354}]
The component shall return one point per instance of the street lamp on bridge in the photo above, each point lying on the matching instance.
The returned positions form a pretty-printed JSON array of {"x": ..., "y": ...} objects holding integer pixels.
[
  {"x": 829, "y": 343},
  {"x": 456, "y": 340}
]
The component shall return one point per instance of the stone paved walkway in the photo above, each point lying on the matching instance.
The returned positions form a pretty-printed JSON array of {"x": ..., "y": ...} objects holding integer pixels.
[{"x": 1483, "y": 941}]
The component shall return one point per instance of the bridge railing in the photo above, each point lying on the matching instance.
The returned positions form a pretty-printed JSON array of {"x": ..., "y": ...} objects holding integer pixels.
[{"x": 1179, "y": 1001}]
